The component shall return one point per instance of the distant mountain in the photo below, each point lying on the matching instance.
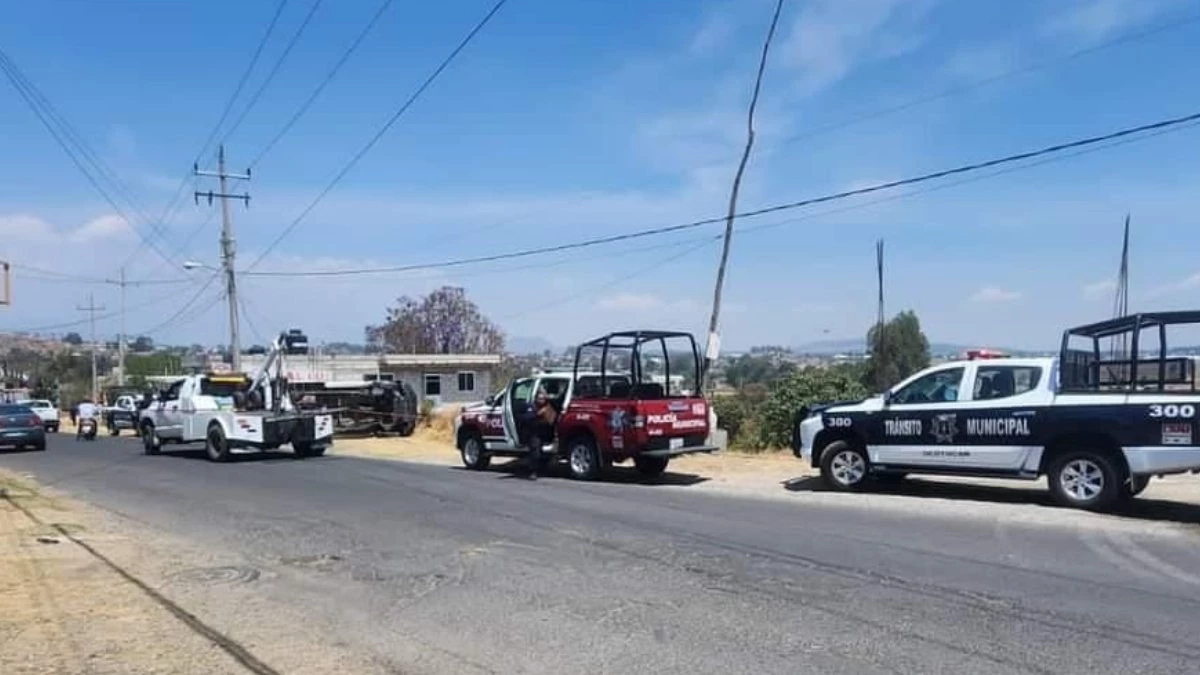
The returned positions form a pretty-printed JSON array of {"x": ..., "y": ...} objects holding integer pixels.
[{"x": 529, "y": 345}]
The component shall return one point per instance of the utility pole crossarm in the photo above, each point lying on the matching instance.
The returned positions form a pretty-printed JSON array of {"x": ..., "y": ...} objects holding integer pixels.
[{"x": 228, "y": 250}]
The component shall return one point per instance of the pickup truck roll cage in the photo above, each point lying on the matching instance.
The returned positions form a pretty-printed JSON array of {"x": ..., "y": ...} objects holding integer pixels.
[
  {"x": 633, "y": 341},
  {"x": 1086, "y": 370}
]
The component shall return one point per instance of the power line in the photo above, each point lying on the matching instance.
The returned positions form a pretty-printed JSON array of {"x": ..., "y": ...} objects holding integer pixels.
[
  {"x": 1160, "y": 126},
  {"x": 383, "y": 130},
  {"x": 51, "y": 275},
  {"x": 70, "y": 324},
  {"x": 173, "y": 204},
  {"x": 185, "y": 307},
  {"x": 337, "y": 66},
  {"x": 977, "y": 84},
  {"x": 274, "y": 70},
  {"x": 65, "y": 137}
]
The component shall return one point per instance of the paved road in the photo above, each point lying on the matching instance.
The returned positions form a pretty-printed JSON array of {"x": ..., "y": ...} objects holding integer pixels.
[{"x": 428, "y": 569}]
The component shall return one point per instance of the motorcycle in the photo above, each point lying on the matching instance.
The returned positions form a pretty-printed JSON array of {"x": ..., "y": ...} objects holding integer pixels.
[{"x": 87, "y": 429}]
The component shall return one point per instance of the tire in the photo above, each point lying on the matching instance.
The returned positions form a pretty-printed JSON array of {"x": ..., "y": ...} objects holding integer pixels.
[
  {"x": 40, "y": 447},
  {"x": 474, "y": 456},
  {"x": 52, "y": 428},
  {"x": 583, "y": 458},
  {"x": 317, "y": 451},
  {"x": 1085, "y": 479},
  {"x": 302, "y": 450},
  {"x": 1135, "y": 486},
  {"x": 216, "y": 446},
  {"x": 845, "y": 467},
  {"x": 651, "y": 467},
  {"x": 151, "y": 444}
]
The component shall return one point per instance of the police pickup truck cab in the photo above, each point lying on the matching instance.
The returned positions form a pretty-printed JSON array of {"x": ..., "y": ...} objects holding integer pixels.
[{"x": 1097, "y": 432}]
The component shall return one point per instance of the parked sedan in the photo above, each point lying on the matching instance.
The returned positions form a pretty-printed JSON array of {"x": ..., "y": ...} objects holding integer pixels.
[{"x": 20, "y": 427}]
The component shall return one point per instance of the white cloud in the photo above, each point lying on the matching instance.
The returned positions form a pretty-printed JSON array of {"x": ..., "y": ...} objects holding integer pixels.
[
  {"x": 103, "y": 227},
  {"x": 1188, "y": 283},
  {"x": 830, "y": 38},
  {"x": 994, "y": 294},
  {"x": 1099, "y": 288},
  {"x": 24, "y": 227},
  {"x": 630, "y": 302},
  {"x": 1096, "y": 19}
]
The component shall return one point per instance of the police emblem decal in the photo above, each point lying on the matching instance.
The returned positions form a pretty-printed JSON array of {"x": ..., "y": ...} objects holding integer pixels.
[
  {"x": 944, "y": 427},
  {"x": 616, "y": 421}
]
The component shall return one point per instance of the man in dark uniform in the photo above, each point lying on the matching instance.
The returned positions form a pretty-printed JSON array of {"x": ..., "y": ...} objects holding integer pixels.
[{"x": 539, "y": 423}]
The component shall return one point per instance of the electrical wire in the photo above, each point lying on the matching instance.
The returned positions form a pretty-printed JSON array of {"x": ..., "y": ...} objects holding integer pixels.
[
  {"x": 98, "y": 317},
  {"x": 977, "y": 84},
  {"x": 274, "y": 71},
  {"x": 51, "y": 275},
  {"x": 337, "y": 66},
  {"x": 1167, "y": 124},
  {"x": 243, "y": 304},
  {"x": 184, "y": 308},
  {"x": 173, "y": 204},
  {"x": 383, "y": 130},
  {"x": 65, "y": 137},
  {"x": 194, "y": 316}
]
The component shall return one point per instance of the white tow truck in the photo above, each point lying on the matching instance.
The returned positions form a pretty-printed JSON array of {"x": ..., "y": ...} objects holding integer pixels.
[{"x": 234, "y": 412}]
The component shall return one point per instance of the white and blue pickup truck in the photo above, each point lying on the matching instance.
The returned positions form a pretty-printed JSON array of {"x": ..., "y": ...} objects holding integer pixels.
[{"x": 1082, "y": 419}]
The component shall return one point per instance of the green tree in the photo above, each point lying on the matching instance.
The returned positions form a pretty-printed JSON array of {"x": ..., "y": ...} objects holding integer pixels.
[
  {"x": 804, "y": 387},
  {"x": 443, "y": 322},
  {"x": 73, "y": 339},
  {"x": 898, "y": 349},
  {"x": 756, "y": 368},
  {"x": 142, "y": 366}
]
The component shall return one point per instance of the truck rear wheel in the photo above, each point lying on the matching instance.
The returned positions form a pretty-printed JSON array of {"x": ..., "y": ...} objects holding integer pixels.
[
  {"x": 150, "y": 442},
  {"x": 215, "y": 444},
  {"x": 302, "y": 449},
  {"x": 1085, "y": 479},
  {"x": 651, "y": 466}
]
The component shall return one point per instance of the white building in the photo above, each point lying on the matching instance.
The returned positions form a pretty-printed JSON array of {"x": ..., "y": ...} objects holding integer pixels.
[{"x": 442, "y": 378}]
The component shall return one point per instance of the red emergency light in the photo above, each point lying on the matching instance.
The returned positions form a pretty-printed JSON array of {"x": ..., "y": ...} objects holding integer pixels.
[{"x": 973, "y": 354}]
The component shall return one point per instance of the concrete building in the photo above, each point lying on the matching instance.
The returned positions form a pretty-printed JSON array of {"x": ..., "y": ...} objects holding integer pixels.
[{"x": 442, "y": 378}]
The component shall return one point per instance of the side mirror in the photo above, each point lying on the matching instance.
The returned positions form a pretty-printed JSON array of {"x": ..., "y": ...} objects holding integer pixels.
[
  {"x": 887, "y": 398},
  {"x": 490, "y": 400}
]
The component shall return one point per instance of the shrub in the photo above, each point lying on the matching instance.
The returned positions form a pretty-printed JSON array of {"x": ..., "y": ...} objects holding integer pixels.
[{"x": 805, "y": 387}]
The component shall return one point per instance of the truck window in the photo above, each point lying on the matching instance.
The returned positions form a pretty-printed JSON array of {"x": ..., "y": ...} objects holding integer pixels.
[
  {"x": 993, "y": 382},
  {"x": 522, "y": 394},
  {"x": 940, "y": 386},
  {"x": 222, "y": 387},
  {"x": 172, "y": 392}
]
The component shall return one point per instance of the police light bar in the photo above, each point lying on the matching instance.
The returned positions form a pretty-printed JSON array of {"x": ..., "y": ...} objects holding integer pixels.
[{"x": 973, "y": 354}]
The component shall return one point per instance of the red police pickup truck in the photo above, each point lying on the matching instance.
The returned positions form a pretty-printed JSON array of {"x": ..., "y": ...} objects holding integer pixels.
[{"x": 631, "y": 395}]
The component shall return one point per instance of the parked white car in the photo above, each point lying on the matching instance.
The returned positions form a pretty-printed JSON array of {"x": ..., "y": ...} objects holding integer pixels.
[{"x": 45, "y": 410}]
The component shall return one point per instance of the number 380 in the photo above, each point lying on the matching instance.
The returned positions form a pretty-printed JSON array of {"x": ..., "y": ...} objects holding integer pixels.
[{"x": 1172, "y": 410}]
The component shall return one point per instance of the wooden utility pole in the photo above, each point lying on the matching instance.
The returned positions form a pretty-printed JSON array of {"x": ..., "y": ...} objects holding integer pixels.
[
  {"x": 91, "y": 309},
  {"x": 228, "y": 252},
  {"x": 713, "y": 348}
]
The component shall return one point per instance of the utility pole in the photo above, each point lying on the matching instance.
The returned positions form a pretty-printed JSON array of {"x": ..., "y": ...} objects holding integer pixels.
[
  {"x": 121, "y": 337},
  {"x": 713, "y": 347},
  {"x": 91, "y": 309},
  {"x": 1121, "y": 302},
  {"x": 228, "y": 251}
]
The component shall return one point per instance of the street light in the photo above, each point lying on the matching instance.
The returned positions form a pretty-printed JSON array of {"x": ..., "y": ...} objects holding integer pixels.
[{"x": 193, "y": 265}]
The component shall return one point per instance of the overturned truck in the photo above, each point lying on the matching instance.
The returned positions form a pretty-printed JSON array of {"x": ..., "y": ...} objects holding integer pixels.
[{"x": 361, "y": 407}]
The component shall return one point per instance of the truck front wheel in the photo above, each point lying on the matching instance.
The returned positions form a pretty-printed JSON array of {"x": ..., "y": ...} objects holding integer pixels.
[
  {"x": 1085, "y": 479},
  {"x": 216, "y": 445},
  {"x": 150, "y": 442},
  {"x": 474, "y": 456},
  {"x": 583, "y": 458},
  {"x": 844, "y": 466}
]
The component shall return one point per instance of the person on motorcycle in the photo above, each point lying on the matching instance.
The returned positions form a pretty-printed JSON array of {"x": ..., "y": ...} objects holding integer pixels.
[{"x": 87, "y": 411}]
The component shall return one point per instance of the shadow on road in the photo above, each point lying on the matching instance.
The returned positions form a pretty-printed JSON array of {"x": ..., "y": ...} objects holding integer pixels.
[
  {"x": 617, "y": 475},
  {"x": 199, "y": 454},
  {"x": 1138, "y": 508}
]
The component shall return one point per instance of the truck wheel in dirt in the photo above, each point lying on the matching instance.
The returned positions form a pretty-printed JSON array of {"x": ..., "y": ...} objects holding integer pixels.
[
  {"x": 150, "y": 442},
  {"x": 473, "y": 455},
  {"x": 1085, "y": 479},
  {"x": 651, "y": 466},
  {"x": 583, "y": 458},
  {"x": 844, "y": 466},
  {"x": 215, "y": 444}
]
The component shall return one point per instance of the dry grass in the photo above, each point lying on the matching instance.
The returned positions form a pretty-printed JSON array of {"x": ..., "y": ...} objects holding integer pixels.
[{"x": 439, "y": 428}]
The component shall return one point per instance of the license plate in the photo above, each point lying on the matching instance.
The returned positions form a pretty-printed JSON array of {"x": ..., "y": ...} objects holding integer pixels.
[
  {"x": 676, "y": 443},
  {"x": 1177, "y": 434}
]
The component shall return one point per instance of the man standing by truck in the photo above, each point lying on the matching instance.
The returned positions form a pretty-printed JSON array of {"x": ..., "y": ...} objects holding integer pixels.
[{"x": 539, "y": 421}]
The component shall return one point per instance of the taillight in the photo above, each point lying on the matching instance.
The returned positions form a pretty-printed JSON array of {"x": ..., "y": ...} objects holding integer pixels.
[{"x": 35, "y": 421}]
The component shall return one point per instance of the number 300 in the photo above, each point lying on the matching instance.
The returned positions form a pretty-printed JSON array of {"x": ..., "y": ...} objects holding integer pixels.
[{"x": 1172, "y": 410}]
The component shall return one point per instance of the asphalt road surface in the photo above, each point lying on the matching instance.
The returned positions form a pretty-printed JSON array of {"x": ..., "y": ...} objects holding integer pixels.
[{"x": 428, "y": 569}]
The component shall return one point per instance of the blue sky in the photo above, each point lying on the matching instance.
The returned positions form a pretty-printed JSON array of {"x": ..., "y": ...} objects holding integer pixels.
[{"x": 565, "y": 121}]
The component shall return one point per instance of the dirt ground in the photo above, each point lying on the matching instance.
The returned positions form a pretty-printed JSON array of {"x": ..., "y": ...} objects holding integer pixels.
[{"x": 63, "y": 610}]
